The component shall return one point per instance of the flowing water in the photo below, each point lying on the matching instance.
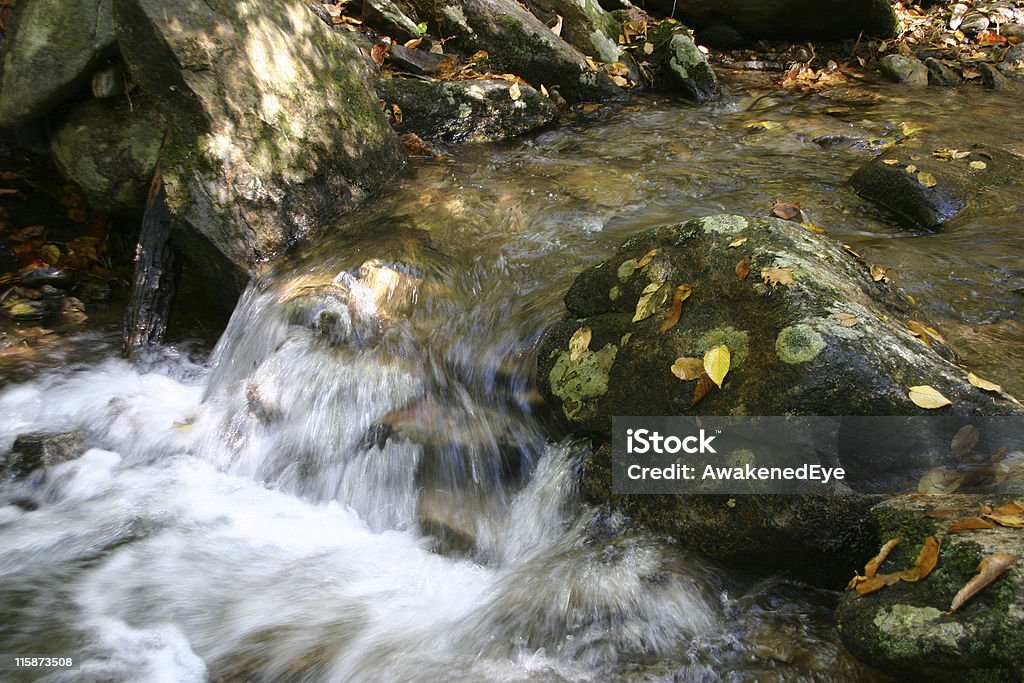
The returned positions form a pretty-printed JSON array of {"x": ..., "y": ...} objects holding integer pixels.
[{"x": 358, "y": 483}]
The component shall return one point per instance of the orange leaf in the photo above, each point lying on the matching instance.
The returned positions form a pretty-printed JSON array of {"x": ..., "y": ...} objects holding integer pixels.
[
  {"x": 926, "y": 561},
  {"x": 682, "y": 293},
  {"x": 871, "y": 568},
  {"x": 704, "y": 386},
  {"x": 990, "y": 569},
  {"x": 970, "y": 524},
  {"x": 743, "y": 269}
]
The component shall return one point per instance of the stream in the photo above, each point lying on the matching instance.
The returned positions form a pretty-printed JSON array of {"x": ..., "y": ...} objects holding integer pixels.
[{"x": 358, "y": 483}]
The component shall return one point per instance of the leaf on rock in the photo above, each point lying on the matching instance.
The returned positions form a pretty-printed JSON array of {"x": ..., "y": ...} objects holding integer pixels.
[
  {"x": 927, "y": 179},
  {"x": 579, "y": 342},
  {"x": 990, "y": 569},
  {"x": 890, "y": 162},
  {"x": 688, "y": 369},
  {"x": 702, "y": 389},
  {"x": 682, "y": 293},
  {"x": 646, "y": 258},
  {"x": 970, "y": 524},
  {"x": 983, "y": 384},
  {"x": 871, "y": 568},
  {"x": 514, "y": 92},
  {"x": 926, "y": 561},
  {"x": 879, "y": 273},
  {"x": 1010, "y": 521},
  {"x": 50, "y": 253},
  {"x": 939, "y": 513},
  {"x": 743, "y": 268},
  {"x": 813, "y": 227},
  {"x": 788, "y": 211},
  {"x": 652, "y": 298},
  {"x": 919, "y": 331},
  {"x": 626, "y": 269},
  {"x": 928, "y": 397},
  {"x": 964, "y": 441},
  {"x": 978, "y": 165},
  {"x": 1014, "y": 508},
  {"x": 846, "y": 319},
  {"x": 777, "y": 276},
  {"x": 378, "y": 52},
  {"x": 739, "y": 241},
  {"x": 939, "y": 480},
  {"x": 716, "y": 363}
]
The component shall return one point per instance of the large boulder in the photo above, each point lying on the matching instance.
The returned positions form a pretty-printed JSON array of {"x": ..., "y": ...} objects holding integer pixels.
[
  {"x": 110, "y": 150},
  {"x": 466, "y": 111},
  {"x": 906, "y": 630},
  {"x": 51, "y": 53},
  {"x": 274, "y": 128},
  {"x": 516, "y": 42},
  {"x": 683, "y": 67},
  {"x": 586, "y": 26}
]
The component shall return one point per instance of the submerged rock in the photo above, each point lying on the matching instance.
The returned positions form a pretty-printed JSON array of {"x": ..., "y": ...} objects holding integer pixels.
[
  {"x": 50, "y": 53},
  {"x": 32, "y": 452},
  {"x": 906, "y": 629},
  {"x": 274, "y": 127},
  {"x": 466, "y": 111}
]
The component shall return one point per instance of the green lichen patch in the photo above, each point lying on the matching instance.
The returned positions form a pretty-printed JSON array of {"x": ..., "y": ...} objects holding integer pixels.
[
  {"x": 799, "y": 344},
  {"x": 576, "y": 381},
  {"x": 724, "y": 224}
]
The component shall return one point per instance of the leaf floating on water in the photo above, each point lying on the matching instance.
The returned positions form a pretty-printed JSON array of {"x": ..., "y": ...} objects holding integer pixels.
[
  {"x": 978, "y": 165},
  {"x": 846, "y": 319},
  {"x": 758, "y": 126},
  {"x": 964, "y": 441},
  {"x": 970, "y": 524},
  {"x": 688, "y": 369},
  {"x": 990, "y": 569},
  {"x": 928, "y": 397},
  {"x": 654, "y": 295},
  {"x": 871, "y": 568},
  {"x": 939, "y": 480},
  {"x": 682, "y": 293},
  {"x": 743, "y": 268},
  {"x": 788, "y": 211},
  {"x": 579, "y": 342},
  {"x": 983, "y": 384},
  {"x": 777, "y": 276},
  {"x": 626, "y": 269},
  {"x": 646, "y": 258},
  {"x": 738, "y": 241},
  {"x": 716, "y": 363},
  {"x": 703, "y": 388},
  {"x": 926, "y": 561},
  {"x": 927, "y": 179},
  {"x": 514, "y": 91}
]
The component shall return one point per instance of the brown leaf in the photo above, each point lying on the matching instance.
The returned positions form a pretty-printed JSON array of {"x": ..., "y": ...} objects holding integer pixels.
[
  {"x": 990, "y": 569},
  {"x": 777, "y": 276},
  {"x": 939, "y": 513},
  {"x": 414, "y": 43},
  {"x": 1014, "y": 508},
  {"x": 703, "y": 388},
  {"x": 688, "y": 369},
  {"x": 788, "y": 211},
  {"x": 682, "y": 293},
  {"x": 743, "y": 268},
  {"x": 647, "y": 258},
  {"x": 869, "y": 585},
  {"x": 879, "y": 273},
  {"x": 984, "y": 509},
  {"x": 849, "y": 250},
  {"x": 579, "y": 342},
  {"x": 970, "y": 524},
  {"x": 964, "y": 441},
  {"x": 917, "y": 329},
  {"x": 871, "y": 568},
  {"x": 846, "y": 319},
  {"x": 983, "y": 384},
  {"x": 926, "y": 561},
  {"x": 1011, "y": 521},
  {"x": 378, "y": 53},
  {"x": 415, "y": 146}
]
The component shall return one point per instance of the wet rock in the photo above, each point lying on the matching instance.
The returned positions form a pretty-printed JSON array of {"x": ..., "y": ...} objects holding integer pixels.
[
  {"x": 386, "y": 17},
  {"x": 992, "y": 79},
  {"x": 22, "y": 304},
  {"x": 974, "y": 22},
  {"x": 586, "y": 26},
  {"x": 925, "y": 193},
  {"x": 51, "y": 51},
  {"x": 466, "y": 111},
  {"x": 1012, "y": 31},
  {"x": 451, "y": 520},
  {"x": 109, "y": 149},
  {"x": 905, "y": 630},
  {"x": 36, "y": 451},
  {"x": 1013, "y": 59},
  {"x": 904, "y": 69},
  {"x": 54, "y": 277},
  {"x": 517, "y": 42},
  {"x": 94, "y": 291},
  {"x": 414, "y": 60},
  {"x": 689, "y": 70},
  {"x": 939, "y": 73},
  {"x": 274, "y": 127}
]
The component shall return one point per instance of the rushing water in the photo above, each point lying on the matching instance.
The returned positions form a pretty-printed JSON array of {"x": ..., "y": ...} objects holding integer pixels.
[{"x": 358, "y": 485}]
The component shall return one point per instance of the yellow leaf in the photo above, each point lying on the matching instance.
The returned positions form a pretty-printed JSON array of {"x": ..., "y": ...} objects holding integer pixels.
[
  {"x": 653, "y": 296},
  {"x": 879, "y": 273},
  {"x": 514, "y": 92},
  {"x": 928, "y": 397},
  {"x": 983, "y": 384},
  {"x": 979, "y": 165},
  {"x": 579, "y": 342},
  {"x": 927, "y": 179},
  {"x": 814, "y": 227},
  {"x": 646, "y": 258},
  {"x": 648, "y": 48},
  {"x": 847, "y": 319},
  {"x": 939, "y": 480},
  {"x": 933, "y": 333},
  {"x": 918, "y": 331},
  {"x": 1012, "y": 521},
  {"x": 688, "y": 369},
  {"x": 738, "y": 241},
  {"x": 890, "y": 162},
  {"x": 716, "y": 363},
  {"x": 911, "y": 168},
  {"x": 50, "y": 253},
  {"x": 672, "y": 317},
  {"x": 777, "y": 276},
  {"x": 619, "y": 81}
]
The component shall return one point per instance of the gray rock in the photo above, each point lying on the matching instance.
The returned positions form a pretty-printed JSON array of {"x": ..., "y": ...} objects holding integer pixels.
[
  {"x": 904, "y": 69},
  {"x": 586, "y": 26},
  {"x": 466, "y": 111},
  {"x": 974, "y": 22},
  {"x": 110, "y": 151},
  {"x": 32, "y": 452},
  {"x": 689, "y": 70},
  {"x": 905, "y": 631},
  {"x": 386, "y": 17},
  {"x": 414, "y": 60},
  {"x": 940, "y": 74},
  {"x": 50, "y": 53},
  {"x": 992, "y": 79},
  {"x": 1012, "y": 31},
  {"x": 274, "y": 127},
  {"x": 1013, "y": 59},
  {"x": 517, "y": 43}
]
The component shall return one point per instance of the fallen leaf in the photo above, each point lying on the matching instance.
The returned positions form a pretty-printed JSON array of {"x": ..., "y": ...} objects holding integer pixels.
[
  {"x": 869, "y": 585},
  {"x": 911, "y": 169},
  {"x": 652, "y": 298},
  {"x": 777, "y": 276},
  {"x": 978, "y": 165},
  {"x": 738, "y": 241},
  {"x": 688, "y": 369},
  {"x": 514, "y": 92},
  {"x": 879, "y": 273},
  {"x": 788, "y": 211},
  {"x": 814, "y": 227},
  {"x": 939, "y": 480},
  {"x": 890, "y": 162},
  {"x": 50, "y": 253},
  {"x": 871, "y": 568},
  {"x": 743, "y": 268},
  {"x": 918, "y": 330},
  {"x": 983, "y": 384},
  {"x": 848, "y": 249},
  {"x": 928, "y": 397},
  {"x": 415, "y": 145},
  {"x": 939, "y": 513},
  {"x": 378, "y": 52},
  {"x": 557, "y": 28},
  {"x": 846, "y": 319},
  {"x": 648, "y": 48},
  {"x": 646, "y": 258},
  {"x": 414, "y": 43},
  {"x": 927, "y": 179},
  {"x": 925, "y": 563},
  {"x": 989, "y": 569},
  {"x": 933, "y": 333},
  {"x": 970, "y": 524},
  {"x": 579, "y": 342},
  {"x": 682, "y": 293},
  {"x": 702, "y": 389},
  {"x": 716, "y": 363},
  {"x": 1010, "y": 521},
  {"x": 1014, "y": 508}
]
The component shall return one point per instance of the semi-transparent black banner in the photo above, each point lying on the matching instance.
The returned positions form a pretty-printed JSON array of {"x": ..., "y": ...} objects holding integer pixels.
[{"x": 818, "y": 455}]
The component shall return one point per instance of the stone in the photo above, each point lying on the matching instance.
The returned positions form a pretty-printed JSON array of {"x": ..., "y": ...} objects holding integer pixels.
[
  {"x": 518, "y": 43},
  {"x": 36, "y": 451},
  {"x": 689, "y": 70},
  {"x": 388, "y": 18},
  {"x": 940, "y": 74},
  {"x": 974, "y": 22},
  {"x": 466, "y": 111},
  {"x": 51, "y": 52},
  {"x": 1013, "y": 59},
  {"x": 904, "y": 69},
  {"x": 415, "y": 60},
  {"x": 274, "y": 128},
  {"x": 1012, "y": 31},
  {"x": 992, "y": 79},
  {"x": 109, "y": 149},
  {"x": 904, "y": 630},
  {"x": 586, "y": 26}
]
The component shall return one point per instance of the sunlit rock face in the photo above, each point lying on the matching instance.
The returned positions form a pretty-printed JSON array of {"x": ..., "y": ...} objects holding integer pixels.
[{"x": 273, "y": 126}]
